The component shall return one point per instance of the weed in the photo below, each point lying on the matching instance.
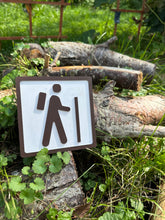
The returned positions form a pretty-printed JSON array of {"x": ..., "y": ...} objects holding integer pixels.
[
  {"x": 27, "y": 190},
  {"x": 129, "y": 167},
  {"x": 54, "y": 214}
]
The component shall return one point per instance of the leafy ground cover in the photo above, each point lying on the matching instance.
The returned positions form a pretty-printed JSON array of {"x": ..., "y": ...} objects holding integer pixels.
[{"x": 123, "y": 176}]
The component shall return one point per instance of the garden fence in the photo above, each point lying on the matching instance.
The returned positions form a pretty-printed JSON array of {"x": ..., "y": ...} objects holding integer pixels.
[{"x": 61, "y": 3}]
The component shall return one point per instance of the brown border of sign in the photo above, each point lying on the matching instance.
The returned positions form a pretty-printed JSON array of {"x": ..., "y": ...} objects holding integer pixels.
[{"x": 19, "y": 109}]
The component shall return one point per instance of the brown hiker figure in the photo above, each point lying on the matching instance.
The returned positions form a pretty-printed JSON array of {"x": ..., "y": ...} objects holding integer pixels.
[{"x": 54, "y": 117}]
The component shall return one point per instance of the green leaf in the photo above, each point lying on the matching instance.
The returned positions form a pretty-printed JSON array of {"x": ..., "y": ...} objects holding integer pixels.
[
  {"x": 52, "y": 214},
  {"x": 28, "y": 195},
  {"x": 38, "y": 184},
  {"x": 3, "y": 160},
  {"x": 11, "y": 157},
  {"x": 65, "y": 157},
  {"x": 64, "y": 216},
  {"x": 32, "y": 72},
  {"x": 90, "y": 184},
  {"x": 105, "y": 150},
  {"x": 59, "y": 155},
  {"x": 58, "y": 63},
  {"x": 26, "y": 170},
  {"x": 43, "y": 151},
  {"x": 28, "y": 161},
  {"x": 126, "y": 214},
  {"x": 39, "y": 195},
  {"x": 102, "y": 187},
  {"x": 16, "y": 185},
  {"x": 39, "y": 167},
  {"x": 4, "y": 186},
  {"x": 107, "y": 157},
  {"x": 55, "y": 164},
  {"x": 8, "y": 111},
  {"x": 137, "y": 204},
  {"x": 111, "y": 216},
  {"x": 43, "y": 155},
  {"x": 7, "y": 100},
  {"x": 19, "y": 46}
]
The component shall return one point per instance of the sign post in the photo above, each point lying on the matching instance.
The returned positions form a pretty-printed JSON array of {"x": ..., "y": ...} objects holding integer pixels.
[{"x": 55, "y": 112}]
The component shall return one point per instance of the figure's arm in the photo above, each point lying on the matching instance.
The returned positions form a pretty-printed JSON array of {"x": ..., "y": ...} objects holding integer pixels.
[{"x": 64, "y": 108}]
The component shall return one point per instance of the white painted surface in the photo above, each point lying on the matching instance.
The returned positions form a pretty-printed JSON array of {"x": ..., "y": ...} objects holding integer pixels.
[{"x": 34, "y": 120}]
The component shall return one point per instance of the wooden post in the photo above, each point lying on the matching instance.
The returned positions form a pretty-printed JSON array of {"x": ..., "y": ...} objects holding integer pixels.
[
  {"x": 141, "y": 18},
  {"x": 61, "y": 19},
  {"x": 115, "y": 28},
  {"x": 30, "y": 19}
]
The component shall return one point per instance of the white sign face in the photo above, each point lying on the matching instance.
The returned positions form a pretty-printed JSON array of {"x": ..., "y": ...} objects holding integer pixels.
[{"x": 56, "y": 113}]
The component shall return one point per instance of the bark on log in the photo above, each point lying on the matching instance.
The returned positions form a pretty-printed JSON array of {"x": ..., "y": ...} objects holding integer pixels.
[
  {"x": 34, "y": 51},
  {"x": 126, "y": 117},
  {"x": 80, "y": 53},
  {"x": 124, "y": 78}
]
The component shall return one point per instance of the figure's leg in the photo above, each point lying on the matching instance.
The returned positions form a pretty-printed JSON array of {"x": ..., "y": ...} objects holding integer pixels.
[
  {"x": 60, "y": 130},
  {"x": 47, "y": 132}
]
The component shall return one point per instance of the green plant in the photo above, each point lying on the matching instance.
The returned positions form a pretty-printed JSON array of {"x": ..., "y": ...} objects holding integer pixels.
[
  {"x": 121, "y": 213},
  {"x": 21, "y": 67},
  {"x": 54, "y": 214},
  {"x": 89, "y": 180},
  {"x": 8, "y": 111},
  {"x": 28, "y": 186},
  {"x": 129, "y": 166},
  {"x": 156, "y": 18}
]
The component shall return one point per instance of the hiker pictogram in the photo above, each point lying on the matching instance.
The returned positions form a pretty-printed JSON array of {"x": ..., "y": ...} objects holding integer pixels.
[
  {"x": 53, "y": 115},
  {"x": 56, "y": 113}
]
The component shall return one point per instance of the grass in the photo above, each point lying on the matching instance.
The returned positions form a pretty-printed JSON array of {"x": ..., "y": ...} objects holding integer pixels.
[
  {"x": 125, "y": 171},
  {"x": 77, "y": 19}
]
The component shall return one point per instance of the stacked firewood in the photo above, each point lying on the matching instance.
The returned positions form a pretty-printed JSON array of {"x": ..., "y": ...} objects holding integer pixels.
[{"x": 119, "y": 117}]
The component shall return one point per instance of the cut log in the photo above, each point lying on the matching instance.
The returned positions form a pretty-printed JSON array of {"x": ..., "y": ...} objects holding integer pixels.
[
  {"x": 34, "y": 51},
  {"x": 126, "y": 117},
  {"x": 124, "y": 78},
  {"x": 80, "y": 53},
  {"x": 72, "y": 54}
]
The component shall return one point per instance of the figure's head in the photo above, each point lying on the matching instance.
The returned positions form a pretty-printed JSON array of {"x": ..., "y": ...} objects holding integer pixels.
[{"x": 56, "y": 88}]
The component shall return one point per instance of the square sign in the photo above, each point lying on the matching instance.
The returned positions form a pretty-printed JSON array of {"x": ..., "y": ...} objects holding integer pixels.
[{"x": 56, "y": 113}]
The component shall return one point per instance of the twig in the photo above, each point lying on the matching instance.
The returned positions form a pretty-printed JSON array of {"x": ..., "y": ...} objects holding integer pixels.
[
  {"x": 46, "y": 64},
  {"x": 56, "y": 59}
]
